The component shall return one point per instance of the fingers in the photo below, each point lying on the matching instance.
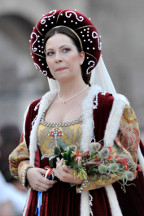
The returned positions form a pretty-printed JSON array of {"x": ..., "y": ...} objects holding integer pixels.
[
  {"x": 37, "y": 180},
  {"x": 59, "y": 162},
  {"x": 42, "y": 171},
  {"x": 63, "y": 166},
  {"x": 67, "y": 169},
  {"x": 62, "y": 170},
  {"x": 43, "y": 185},
  {"x": 64, "y": 173}
]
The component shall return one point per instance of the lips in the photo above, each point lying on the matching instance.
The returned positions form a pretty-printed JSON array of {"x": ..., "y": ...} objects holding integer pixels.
[{"x": 60, "y": 68}]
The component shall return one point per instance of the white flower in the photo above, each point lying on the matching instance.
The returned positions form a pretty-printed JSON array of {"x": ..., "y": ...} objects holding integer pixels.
[
  {"x": 102, "y": 168},
  {"x": 128, "y": 175},
  {"x": 103, "y": 154},
  {"x": 94, "y": 147},
  {"x": 113, "y": 167}
]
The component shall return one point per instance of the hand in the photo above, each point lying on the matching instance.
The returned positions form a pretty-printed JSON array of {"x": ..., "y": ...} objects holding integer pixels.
[
  {"x": 37, "y": 181},
  {"x": 65, "y": 174}
]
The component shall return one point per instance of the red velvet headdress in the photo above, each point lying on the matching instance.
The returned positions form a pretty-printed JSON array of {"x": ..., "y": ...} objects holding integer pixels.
[{"x": 77, "y": 22}]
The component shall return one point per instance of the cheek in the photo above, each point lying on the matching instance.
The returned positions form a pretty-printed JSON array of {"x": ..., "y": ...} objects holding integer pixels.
[
  {"x": 49, "y": 63},
  {"x": 73, "y": 59},
  {"x": 51, "y": 66}
]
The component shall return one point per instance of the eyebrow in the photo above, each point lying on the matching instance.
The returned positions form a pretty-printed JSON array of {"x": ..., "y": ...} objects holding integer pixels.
[{"x": 59, "y": 47}]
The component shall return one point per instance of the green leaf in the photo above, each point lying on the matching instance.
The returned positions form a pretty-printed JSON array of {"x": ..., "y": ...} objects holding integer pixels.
[
  {"x": 57, "y": 151},
  {"x": 70, "y": 155},
  {"x": 73, "y": 164},
  {"x": 52, "y": 161},
  {"x": 65, "y": 156},
  {"x": 62, "y": 145}
]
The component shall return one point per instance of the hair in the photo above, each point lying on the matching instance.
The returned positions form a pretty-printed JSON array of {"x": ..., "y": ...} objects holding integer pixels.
[{"x": 68, "y": 32}]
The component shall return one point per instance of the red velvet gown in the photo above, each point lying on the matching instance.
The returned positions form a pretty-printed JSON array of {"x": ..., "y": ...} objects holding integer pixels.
[{"x": 62, "y": 199}]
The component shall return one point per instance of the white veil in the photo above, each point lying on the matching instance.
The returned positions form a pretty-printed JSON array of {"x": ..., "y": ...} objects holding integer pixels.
[
  {"x": 53, "y": 84},
  {"x": 101, "y": 77}
]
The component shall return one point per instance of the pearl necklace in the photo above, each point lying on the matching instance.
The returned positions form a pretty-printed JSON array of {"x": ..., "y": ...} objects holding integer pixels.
[{"x": 64, "y": 101}]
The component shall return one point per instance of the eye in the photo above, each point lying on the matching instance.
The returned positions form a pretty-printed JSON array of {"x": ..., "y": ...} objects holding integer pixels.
[
  {"x": 49, "y": 53},
  {"x": 65, "y": 50}
]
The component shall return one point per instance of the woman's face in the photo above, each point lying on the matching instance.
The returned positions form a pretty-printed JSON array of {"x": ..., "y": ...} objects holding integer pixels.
[{"x": 62, "y": 57}]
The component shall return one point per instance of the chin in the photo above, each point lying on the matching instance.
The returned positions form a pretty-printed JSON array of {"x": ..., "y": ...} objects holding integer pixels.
[{"x": 62, "y": 76}]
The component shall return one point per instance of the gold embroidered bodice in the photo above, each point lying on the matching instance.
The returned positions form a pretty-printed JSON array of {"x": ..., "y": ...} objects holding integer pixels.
[
  {"x": 127, "y": 138},
  {"x": 47, "y": 137}
]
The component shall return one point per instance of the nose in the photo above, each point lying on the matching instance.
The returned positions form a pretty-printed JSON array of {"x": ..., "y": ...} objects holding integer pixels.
[{"x": 58, "y": 57}]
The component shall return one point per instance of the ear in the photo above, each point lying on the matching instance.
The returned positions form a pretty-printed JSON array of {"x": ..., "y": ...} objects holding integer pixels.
[{"x": 82, "y": 57}]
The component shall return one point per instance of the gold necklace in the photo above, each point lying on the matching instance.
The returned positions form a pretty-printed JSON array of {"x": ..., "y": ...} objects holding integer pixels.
[{"x": 64, "y": 101}]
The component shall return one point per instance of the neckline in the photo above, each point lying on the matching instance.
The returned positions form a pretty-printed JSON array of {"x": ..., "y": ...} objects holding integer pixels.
[
  {"x": 60, "y": 124},
  {"x": 68, "y": 99}
]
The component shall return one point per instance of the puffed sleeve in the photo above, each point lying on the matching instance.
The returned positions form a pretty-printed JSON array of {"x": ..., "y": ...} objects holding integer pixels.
[
  {"x": 128, "y": 135},
  {"x": 126, "y": 141},
  {"x": 17, "y": 159}
]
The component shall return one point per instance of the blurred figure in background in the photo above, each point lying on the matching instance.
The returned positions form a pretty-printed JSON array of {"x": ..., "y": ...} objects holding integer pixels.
[
  {"x": 12, "y": 194},
  {"x": 9, "y": 139}
]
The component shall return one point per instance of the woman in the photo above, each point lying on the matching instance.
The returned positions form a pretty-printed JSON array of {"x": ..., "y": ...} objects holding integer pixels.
[{"x": 65, "y": 46}]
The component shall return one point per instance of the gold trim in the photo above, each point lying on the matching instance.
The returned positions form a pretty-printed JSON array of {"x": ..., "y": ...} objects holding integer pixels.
[
  {"x": 38, "y": 55},
  {"x": 39, "y": 31},
  {"x": 72, "y": 32},
  {"x": 59, "y": 16},
  {"x": 86, "y": 26},
  {"x": 91, "y": 55}
]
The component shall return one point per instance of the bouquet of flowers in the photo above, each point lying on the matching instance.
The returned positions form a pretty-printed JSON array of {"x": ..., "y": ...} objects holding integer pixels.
[{"x": 99, "y": 163}]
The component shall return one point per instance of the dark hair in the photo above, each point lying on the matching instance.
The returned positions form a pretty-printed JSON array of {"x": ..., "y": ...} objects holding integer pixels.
[{"x": 69, "y": 33}]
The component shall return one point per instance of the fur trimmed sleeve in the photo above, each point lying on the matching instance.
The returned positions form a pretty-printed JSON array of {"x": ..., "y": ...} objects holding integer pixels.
[
  {"x": 19, "y": 158},
  {"x": 125, "y": 143},
  {"x": 128, "y": 135}
]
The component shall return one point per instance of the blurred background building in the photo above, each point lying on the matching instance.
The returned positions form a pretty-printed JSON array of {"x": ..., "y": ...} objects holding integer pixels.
[{"x": 120, "y": 24}]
